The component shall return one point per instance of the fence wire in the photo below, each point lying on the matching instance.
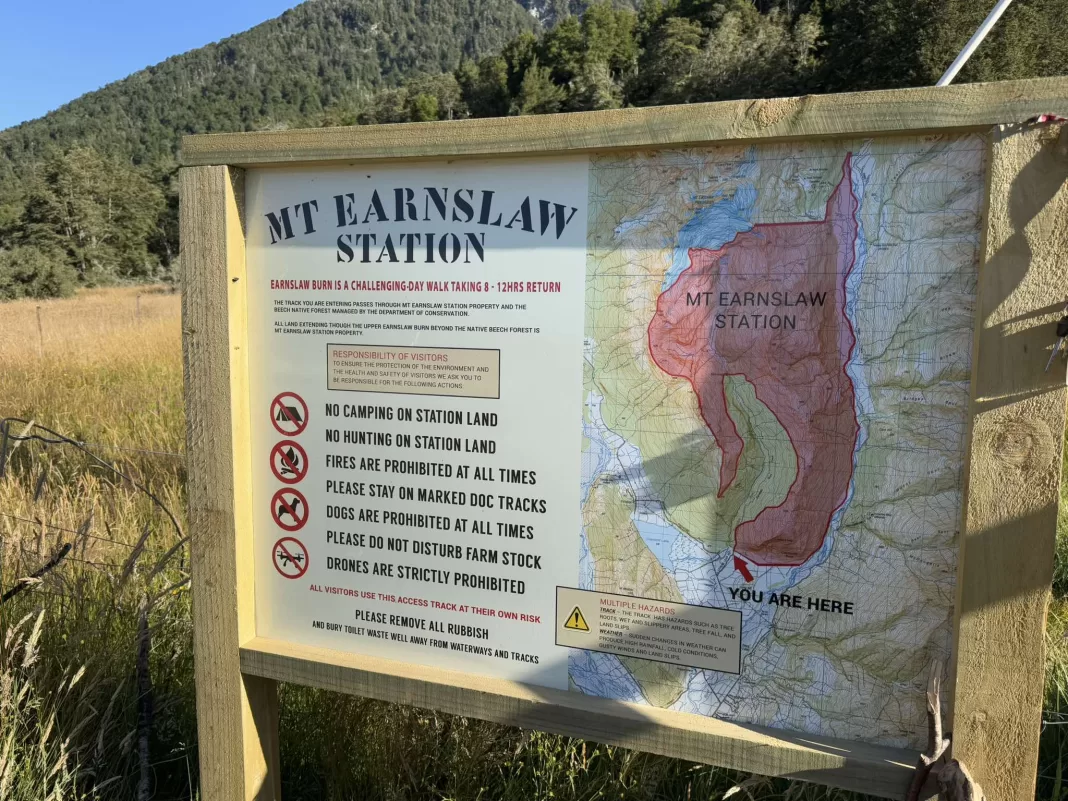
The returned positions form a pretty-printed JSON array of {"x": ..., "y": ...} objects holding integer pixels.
[
  {"x": 49, "y": 581},
  {"x": 34, "y": 432}
]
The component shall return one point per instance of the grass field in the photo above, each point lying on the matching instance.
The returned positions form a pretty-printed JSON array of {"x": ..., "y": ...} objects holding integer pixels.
[{"x": 96, "y": 672}]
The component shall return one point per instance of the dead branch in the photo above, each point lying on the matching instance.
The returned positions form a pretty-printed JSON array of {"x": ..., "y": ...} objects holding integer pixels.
[
  {"x": 23, "y": 583},
  {"x": 936, "y": 742}
]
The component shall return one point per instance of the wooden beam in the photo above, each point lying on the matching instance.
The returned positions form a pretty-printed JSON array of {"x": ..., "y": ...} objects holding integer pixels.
[
  {"x": 871, "y": 769},
  {"x": 930, "y": 109},
  {"x": 1014, "y": 466},
  {"x": 237, "y": 717}
]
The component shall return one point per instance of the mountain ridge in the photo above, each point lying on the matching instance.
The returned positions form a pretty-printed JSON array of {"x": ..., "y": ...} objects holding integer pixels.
[
  {"x": 334, "y": 52},
  {"x": 88, "y": 192}
]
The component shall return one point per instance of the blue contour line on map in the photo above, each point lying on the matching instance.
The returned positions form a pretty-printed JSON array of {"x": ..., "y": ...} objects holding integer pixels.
[
  {"x": 854, "y": 370},
  {"x": 602, "y": 675},
  {"x": 711, "y": 228},
  {"x": 714, "y": 226}
]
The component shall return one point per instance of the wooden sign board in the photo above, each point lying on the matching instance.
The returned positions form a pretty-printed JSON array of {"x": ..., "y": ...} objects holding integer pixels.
[{"x": 707, "y": 430}]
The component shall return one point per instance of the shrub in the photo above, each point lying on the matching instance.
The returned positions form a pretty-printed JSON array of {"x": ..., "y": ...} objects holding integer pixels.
[{"x": 28, "y": 272}]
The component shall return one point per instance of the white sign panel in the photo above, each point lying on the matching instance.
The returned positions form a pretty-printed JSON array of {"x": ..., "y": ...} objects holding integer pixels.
[{"x": 416, "y": 488}]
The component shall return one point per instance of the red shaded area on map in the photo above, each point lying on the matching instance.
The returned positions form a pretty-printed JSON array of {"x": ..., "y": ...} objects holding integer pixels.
[{"x": 722, "y": 317}]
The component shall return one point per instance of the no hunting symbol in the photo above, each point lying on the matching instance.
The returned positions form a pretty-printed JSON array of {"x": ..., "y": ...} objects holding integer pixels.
[
  {"x": 289, "y": 413},
  {"x": 290, "y": 557},
  {"x": 289, "y": 462},
  {"x": 289, "y": 509}
]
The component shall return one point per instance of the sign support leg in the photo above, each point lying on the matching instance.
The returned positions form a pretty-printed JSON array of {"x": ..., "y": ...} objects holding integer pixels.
[
  {"x": 237, "y": 716},
  {"x": 1013, "y": 471}
]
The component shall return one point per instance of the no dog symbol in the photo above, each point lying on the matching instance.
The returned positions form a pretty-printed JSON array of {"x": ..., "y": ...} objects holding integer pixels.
[
  {"x": 290, "y": 557},
  {"x": 289, "y": 509}
]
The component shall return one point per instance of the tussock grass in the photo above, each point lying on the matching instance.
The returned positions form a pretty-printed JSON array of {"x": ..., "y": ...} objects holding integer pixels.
[
  {"x": 34, "y": 759},
  {"x": 105, "y": 376},
  {"x": 69, "y": 699}
]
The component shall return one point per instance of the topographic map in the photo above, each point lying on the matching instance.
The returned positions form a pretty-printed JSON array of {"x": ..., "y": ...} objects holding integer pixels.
[{"x": 777, "y": 363}]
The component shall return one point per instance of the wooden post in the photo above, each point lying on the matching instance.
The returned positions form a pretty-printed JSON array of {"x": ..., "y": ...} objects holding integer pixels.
[
  {"x": 40, "y": 335},
  {"x": 138, "y": 308},
  {"x": 1014, "y": 466},
  {"x": 237, "y": 715}
]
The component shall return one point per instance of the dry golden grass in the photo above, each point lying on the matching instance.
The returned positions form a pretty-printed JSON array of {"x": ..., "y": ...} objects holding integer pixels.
[
  {"x": 95, "y": 369},
  {"x": 108, "y": 376},
  {"x": 100, "y": 370}
]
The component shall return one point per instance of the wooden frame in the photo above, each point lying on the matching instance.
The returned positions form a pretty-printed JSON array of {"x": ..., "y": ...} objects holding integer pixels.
[{"x": 1012, "y": 472}]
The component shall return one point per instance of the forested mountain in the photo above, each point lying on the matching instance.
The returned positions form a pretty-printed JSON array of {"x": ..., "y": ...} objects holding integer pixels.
[
  {"x": 86, "y": 192},
  {"x": 549, "y": 12},
  {"x": 288, "y": 70}
]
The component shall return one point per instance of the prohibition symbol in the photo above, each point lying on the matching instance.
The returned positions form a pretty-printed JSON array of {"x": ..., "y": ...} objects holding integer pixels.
[
  {"x": 289, "y": 462},
  {"x": 290, "y": 557},
  {"x": 289, "y": 509},
  {"x": 289, "y": 414},
  {"x": 575, "y": 621}
]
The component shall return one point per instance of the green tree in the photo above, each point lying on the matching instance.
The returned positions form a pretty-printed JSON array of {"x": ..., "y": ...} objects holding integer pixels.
[
  {"x": 484, "y": 86},
  {"x": 423, "y": 107},
  {"x": 609, "y": 38},
  {"x": 434, "y": 97},
  {"x": 876, "y": 44},
  {"x": 538, "y": 94},
  {"x": 28, "y": 272},
  {"x": 520, "y": 53},
  {"x": 388, "y": 106},
  {"x": 749, "y": 54},
  {"x": 666, "y": 64},
  {"x": 562, "y": 49},
  {"x": 1030, "y": 40},
  {"x": 595, "y": 88},
  {"x": 651, "y": 15},
  {"x": 97, "y": 215}
]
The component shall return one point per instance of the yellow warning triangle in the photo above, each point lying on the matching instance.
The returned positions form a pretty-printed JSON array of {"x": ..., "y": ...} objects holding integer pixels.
[{"x": 576, "y": 621}]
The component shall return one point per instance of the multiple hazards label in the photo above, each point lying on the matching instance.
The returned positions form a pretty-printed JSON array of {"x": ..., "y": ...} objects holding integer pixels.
[{"x": 649, "y": 628}]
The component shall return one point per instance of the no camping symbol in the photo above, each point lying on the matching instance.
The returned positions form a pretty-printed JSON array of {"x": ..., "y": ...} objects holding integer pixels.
[
  {"x": 290, "y": 557},
  {"x": 289, "y": 509},
  {"x": 289, "y": 462},
  {"x": 289, "y": 414}
]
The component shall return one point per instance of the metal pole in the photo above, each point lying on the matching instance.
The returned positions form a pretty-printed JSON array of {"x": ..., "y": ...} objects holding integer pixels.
[{"x": 974, "y": 42}]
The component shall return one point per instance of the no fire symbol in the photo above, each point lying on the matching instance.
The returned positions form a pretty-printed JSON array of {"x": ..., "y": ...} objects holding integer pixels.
[
  {"x": 289, "y": 509},
  {"x": 576, "y": 621},
  {"x": 289, "y": 414},
  {"x": 289, "y": 462},
  {"x": 290, "y": 557}
]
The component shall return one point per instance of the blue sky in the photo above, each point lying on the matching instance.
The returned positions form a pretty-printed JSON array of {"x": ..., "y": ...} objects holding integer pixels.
[{"x": 52, "y": 51}]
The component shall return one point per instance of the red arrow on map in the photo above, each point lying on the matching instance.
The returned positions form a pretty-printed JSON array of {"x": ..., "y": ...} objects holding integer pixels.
[{"x": 743, "y": 568}]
